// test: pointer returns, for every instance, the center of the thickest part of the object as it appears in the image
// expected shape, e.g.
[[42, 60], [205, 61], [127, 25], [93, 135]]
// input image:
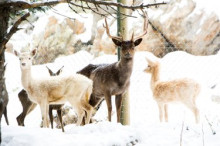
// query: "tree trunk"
[[4, 17], [123, 31]]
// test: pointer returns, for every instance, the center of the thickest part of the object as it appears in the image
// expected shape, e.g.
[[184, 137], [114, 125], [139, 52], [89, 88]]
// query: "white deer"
[[75, 89], [180, 90]]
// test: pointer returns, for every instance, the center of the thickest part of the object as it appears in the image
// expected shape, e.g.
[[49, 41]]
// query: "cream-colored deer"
[[75, 89], [180, 90]]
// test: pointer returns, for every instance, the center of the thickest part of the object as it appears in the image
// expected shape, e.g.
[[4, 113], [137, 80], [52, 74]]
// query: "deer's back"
[[109, 78], [86, 71], [176, 90]]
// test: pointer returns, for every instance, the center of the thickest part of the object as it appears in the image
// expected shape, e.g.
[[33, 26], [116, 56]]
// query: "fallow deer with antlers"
[[114, 79]]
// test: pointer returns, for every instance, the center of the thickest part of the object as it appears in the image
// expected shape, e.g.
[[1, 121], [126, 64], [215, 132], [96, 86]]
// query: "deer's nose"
[[23, 64], [127, 55]]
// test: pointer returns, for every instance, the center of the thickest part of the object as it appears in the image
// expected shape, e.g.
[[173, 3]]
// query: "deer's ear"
[[33, 52], [149, 61], [138, 41], [16, 53], [59, 71], [50, 72], [116, 42]]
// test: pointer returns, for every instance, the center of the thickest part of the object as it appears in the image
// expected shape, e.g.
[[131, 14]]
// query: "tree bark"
[[123, 31], [4, 17]]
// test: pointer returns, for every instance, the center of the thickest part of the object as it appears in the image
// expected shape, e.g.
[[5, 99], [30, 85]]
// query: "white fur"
[[75, 89], [181, 90]]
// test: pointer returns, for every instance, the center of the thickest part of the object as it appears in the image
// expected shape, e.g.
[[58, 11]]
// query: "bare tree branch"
[[14, 29], [210, 125], [203, 140], [19, 5], [55, 11], [181, 133]]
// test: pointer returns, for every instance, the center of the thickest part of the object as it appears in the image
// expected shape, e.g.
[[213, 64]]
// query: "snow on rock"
[[185, 23]]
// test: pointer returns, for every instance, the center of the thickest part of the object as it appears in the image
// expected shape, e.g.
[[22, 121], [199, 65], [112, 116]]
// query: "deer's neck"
[[155, 76], [126, 65], [26, 78]]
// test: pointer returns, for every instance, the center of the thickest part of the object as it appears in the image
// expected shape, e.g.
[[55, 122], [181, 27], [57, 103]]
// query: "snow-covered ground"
[[145, 128]]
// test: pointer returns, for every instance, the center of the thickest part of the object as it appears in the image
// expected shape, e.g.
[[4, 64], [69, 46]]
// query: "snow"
[[145, 128]]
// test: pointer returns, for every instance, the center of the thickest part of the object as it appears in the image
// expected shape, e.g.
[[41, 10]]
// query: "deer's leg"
[[80, 113], [84, 120], [89, 109], [31, 108], [166, 112], [59, 113], [43, 110], [118, 102], [6, 117], [27, 108], [161, 107], [109, 105], [192, 106], [44, 113], [26, 104], [51, 115]]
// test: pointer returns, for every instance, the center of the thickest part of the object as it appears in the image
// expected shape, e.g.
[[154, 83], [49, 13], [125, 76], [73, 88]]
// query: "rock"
[[58, 39], [185, 25]]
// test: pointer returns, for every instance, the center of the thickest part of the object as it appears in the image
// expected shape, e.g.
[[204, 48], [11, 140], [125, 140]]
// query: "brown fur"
[[86, 71], [113, 79], [180, 90]]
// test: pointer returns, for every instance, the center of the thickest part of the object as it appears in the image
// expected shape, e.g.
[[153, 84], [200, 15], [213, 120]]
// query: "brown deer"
[[29, 106], [4, 98], [86, 71], [114, 79]]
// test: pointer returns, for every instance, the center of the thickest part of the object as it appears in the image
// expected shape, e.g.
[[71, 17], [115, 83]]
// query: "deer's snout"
[[127, 55], [23, 64]]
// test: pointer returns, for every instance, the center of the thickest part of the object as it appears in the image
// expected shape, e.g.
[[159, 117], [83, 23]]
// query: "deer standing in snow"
[[75, 89], [180, 90], [114, 79], [29, 106]]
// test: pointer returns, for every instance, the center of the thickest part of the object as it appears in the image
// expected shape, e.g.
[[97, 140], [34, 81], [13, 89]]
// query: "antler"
[[61, 68], [47, 68], [109, 35], [145, 27]]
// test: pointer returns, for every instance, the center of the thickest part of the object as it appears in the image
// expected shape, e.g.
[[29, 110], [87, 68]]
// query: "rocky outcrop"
[[179, 25], [188, 27], [58, 39]]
